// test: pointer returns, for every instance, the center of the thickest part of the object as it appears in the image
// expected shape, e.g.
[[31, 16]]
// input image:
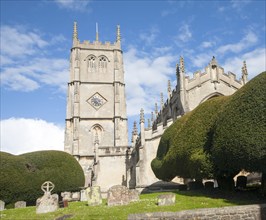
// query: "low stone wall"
[[245, 212]]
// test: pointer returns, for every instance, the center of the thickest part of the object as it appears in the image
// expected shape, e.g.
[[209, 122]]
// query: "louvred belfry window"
[[91, 64], [102, 64]]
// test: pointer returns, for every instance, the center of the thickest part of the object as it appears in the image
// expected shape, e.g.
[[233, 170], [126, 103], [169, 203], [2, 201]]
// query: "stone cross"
[[47, 187]]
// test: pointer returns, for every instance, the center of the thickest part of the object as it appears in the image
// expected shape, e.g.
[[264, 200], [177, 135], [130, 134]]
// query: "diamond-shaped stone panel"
[[97, 100]]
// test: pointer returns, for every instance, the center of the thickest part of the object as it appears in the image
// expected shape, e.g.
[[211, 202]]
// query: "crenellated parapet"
[[96, 45], [190, 92]]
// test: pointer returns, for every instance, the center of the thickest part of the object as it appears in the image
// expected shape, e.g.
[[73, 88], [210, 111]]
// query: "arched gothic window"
[[102, 64], [91, 64]]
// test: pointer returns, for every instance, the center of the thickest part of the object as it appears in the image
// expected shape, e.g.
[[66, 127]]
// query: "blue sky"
[[36, 38]]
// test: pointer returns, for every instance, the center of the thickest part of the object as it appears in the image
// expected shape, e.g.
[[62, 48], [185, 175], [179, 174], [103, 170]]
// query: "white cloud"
[[201, 60], [150, 36], [75, 5], [249, 40], [238, 5], [31, 75], [21, 135], [256, 63], [185, 33], [16, 42], [207, 44], [25, 65], [145, 78]]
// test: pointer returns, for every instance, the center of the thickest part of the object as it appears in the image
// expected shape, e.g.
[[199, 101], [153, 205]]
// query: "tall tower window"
[[91, 64], [102, 64]]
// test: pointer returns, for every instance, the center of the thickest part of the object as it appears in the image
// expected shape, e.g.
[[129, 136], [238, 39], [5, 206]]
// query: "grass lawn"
[[184, 200]]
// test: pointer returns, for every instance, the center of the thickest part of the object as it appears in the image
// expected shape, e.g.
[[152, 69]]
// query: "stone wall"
[[246, 212]]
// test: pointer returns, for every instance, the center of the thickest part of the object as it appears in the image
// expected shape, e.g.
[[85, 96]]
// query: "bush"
[[183, 146], [217, 139], [239, 133], [23, 175]]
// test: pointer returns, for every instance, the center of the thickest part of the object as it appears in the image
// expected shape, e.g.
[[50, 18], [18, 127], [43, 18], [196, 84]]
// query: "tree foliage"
[[219, 138], [23, 175]]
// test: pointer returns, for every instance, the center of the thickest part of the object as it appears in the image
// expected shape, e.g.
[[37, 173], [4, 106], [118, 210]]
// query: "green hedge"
[[219, 138], [182, 149], [23, 175], [240, 131]]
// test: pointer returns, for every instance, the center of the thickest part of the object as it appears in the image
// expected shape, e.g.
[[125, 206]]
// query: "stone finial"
[[244, 72], [169, 90], [162, 102], [156, 109], [244, 68], [118, 36], [213, 62], [142, 115], [97, 33], [75, 32], [152, 117], [182, 65], [135, 129], [134, 132]]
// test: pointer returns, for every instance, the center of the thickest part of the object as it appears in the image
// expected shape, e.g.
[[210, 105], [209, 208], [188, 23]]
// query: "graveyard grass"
[[185, 200]]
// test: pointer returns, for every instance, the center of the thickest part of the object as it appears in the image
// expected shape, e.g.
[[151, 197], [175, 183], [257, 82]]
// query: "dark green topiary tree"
[[220, 137], [240, 131], [23, 175], [182, 149]]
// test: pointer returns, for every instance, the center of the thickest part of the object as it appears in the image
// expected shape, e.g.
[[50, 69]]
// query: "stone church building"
[[96, 132]]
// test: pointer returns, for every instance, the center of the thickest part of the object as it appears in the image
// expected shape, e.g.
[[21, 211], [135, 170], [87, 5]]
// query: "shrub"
[[23, 175], [219, 138]]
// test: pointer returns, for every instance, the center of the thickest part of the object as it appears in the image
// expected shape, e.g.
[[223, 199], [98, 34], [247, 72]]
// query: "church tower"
[[96, 122]]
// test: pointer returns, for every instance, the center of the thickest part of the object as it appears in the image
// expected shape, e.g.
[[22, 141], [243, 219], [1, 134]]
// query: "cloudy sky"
[[36, 38]]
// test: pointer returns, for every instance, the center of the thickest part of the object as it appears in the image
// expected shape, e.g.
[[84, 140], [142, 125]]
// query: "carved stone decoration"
[[48, 202], [96, 101]]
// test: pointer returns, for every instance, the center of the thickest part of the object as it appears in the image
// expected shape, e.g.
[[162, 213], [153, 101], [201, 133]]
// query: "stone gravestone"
[[94, 195], [66, 196], [133, 195], [20, 204], [48, 202], [83, 195], [166, 199], [2, 205], [118, 195], [75, 196]]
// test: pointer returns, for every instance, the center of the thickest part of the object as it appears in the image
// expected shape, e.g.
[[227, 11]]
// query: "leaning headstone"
[[75, 196], [2, 205], [20, 204], [133, 195], [94, 195], [66, 196], [83, 195], [118, 195], [48, 202], [166, 199]]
